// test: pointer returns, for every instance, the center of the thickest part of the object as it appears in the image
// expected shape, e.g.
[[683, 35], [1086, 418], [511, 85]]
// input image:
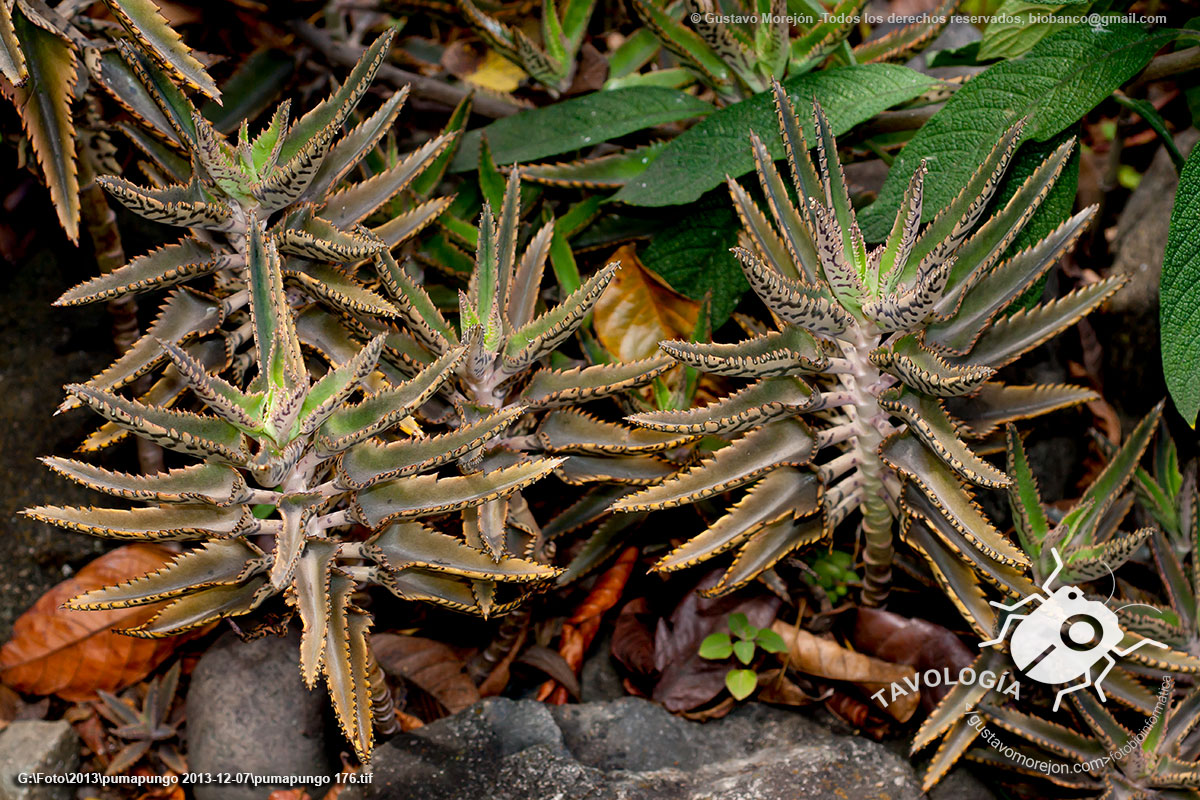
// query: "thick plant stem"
[[383, 710], [868, 419]]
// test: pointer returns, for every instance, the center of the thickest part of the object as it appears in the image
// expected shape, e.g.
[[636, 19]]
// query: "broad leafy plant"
[[299, 449], [879, 370], [738, 60]]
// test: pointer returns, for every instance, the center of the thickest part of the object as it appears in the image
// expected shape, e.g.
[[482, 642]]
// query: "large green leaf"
[[580, 122], [692, 255], [1054, 84], [1179, 314], [1012, 32], [703, 156]]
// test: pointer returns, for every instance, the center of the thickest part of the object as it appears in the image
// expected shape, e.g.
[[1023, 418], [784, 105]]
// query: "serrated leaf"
[[166, 266], [702, 157], [143, 20], [44, 103]]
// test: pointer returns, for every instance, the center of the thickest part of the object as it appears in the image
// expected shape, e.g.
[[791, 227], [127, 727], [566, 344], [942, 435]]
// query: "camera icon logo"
[[1064, 637]]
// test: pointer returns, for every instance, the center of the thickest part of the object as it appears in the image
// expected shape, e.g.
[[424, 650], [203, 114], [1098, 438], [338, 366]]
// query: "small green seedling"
[[718, 646], [832, 572]]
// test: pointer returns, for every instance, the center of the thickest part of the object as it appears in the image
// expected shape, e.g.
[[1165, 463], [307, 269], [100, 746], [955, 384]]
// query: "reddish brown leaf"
[[72, 654], [825, 658], [639, 309], [915, 642], [688, 681], [429, 664], [776, 687], [633, 638], [579, 631]]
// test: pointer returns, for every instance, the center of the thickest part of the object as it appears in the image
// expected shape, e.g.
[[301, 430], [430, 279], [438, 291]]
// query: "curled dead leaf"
[[429, 664], [72, 654], [638, 310], [825, 658]]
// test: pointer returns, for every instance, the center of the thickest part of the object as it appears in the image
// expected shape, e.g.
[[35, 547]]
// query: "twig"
[[430, 88], [1166, 65]]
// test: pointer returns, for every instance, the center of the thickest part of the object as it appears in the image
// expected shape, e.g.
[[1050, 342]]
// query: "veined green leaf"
[[1055, 83], [577, 123], [704, 155], [1180, 290]]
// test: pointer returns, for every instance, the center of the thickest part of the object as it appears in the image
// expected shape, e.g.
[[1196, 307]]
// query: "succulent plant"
[[505, 370], [145, 724], [1161, 764], [298, 449], [41, 50], [880, 369], [1088, 544], [292, 172], [1171, 497], [739, 59], [552, 64]]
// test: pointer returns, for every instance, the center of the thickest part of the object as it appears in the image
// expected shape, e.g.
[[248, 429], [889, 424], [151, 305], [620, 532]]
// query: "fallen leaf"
[[553, 665], [688, 681], [487, 70], [825, 658], [72, 654], [579, 631], [638, 310], [915, 642], [429, 664], [633, 638], [777, 688]]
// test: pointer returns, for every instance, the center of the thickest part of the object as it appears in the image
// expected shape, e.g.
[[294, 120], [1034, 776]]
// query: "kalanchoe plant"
[[41, 50], [1088, 544], [880, 370], [146, 724], [739, 60], [1161, 765], [298, 447], [1171, 497], [505, 371], [551, 64], [293, 174]]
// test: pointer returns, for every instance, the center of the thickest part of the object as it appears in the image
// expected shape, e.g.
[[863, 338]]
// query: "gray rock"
[[37, 747], [599, 679], [630, 749], [249, 712]]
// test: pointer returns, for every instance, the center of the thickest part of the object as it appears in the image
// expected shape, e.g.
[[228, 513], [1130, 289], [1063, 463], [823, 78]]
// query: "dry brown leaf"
[[916, 642], [826, 658], [638, 310], [72, 654], [429, 664], [774, 686]]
